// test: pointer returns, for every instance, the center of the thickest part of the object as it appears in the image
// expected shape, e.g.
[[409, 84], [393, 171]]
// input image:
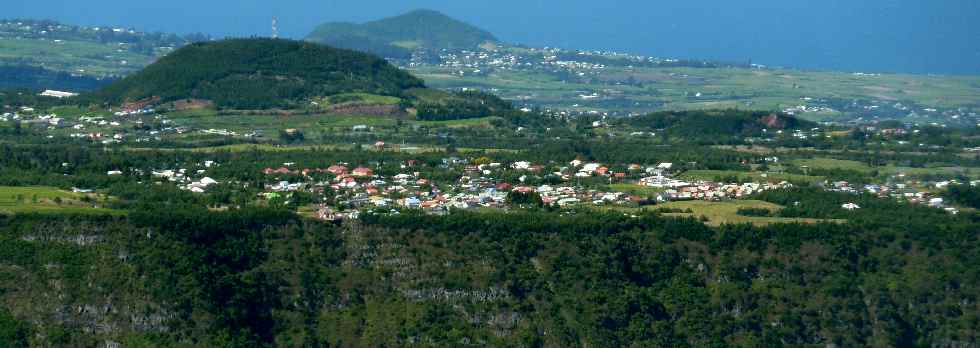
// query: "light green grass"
[[407, 44], [969, 172], [15, 200], [635, 189], [719, 213], [709, 175], [830, 163], [721, 88], [360, 98], [247, 148], [469, 122]]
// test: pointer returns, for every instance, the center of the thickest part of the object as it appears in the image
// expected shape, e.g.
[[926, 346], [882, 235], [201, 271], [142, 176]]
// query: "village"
[[344, 190]]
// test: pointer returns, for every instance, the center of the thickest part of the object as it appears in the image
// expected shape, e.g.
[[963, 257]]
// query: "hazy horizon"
[[903, 36]]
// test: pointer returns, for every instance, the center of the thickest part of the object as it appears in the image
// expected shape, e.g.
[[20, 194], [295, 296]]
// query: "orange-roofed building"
[[337, 170], [361, 171]]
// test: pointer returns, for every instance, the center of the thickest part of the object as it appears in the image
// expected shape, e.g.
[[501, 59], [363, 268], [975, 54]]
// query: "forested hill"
[[258, 74], [395, 37], [717, 123]]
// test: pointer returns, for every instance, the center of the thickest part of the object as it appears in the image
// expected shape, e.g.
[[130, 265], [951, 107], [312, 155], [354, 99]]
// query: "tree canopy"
[[258, 74]]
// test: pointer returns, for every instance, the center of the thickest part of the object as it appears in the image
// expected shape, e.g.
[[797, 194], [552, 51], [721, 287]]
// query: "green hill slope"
[[718, 123], [395, 37], [259, 74]]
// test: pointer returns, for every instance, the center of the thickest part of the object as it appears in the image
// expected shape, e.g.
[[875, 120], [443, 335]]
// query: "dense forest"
[[965, 195], [258, 74], [463, 105], [265, 277], [723, 123]]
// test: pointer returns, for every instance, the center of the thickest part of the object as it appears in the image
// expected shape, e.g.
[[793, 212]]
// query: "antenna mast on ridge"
[[275, 28]]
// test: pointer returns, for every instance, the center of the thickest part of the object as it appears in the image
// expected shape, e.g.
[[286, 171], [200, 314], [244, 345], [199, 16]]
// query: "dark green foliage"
[[15, 98], [965, 195], [291, 136], [351, 36], [597, 278], [40, 78], [13, 333], [716, 124], [430, 29], [463, 105], [258, 74], [260, 277], [760, 212], [209, 263], [524, 199]]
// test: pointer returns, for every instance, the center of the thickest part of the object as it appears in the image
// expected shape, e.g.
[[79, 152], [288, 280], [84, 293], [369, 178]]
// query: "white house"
[[57, 94]]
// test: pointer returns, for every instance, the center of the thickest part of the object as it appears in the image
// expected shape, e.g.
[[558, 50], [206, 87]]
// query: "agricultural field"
[[968, 172], [48, 199], [719, 213], [79, 57], [712, 175], [635, 189], [830, 163], [649, 89]]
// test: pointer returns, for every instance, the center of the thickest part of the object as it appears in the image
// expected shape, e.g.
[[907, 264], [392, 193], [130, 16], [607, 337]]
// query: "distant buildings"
[[57, 94]]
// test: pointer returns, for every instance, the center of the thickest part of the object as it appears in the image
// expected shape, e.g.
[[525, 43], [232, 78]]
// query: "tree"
[[524, 199], [13, 332], [291, 136]]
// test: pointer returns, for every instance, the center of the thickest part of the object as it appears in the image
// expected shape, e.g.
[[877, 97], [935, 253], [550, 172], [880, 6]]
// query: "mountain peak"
[[396, 37]]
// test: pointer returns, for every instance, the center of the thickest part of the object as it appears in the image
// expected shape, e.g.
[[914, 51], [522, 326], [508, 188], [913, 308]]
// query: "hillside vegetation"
[[257, 278], [259, 74], [716, 123], [396, 37], [25, 76]]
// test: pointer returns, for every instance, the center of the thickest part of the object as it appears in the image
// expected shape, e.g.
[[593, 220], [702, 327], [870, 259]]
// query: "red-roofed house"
[[361, 171], [523, 189], [337, 170], [281, 170]]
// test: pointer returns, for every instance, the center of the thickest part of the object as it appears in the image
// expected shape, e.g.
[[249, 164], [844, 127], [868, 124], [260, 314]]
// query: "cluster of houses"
[[476, 187], [105, 129], [550, 59], [680, 190], [805, 109], [183, 178], [899, 191]]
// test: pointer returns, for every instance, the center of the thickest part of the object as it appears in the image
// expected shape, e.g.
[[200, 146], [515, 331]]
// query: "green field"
[[676, 88], [973, 173], [830, 163], [88, 58], [719, 213], [48, 199], [709, 175], [635, 189]]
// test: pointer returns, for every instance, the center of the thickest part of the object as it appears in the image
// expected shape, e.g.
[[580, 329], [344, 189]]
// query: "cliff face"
[[74, 283]]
